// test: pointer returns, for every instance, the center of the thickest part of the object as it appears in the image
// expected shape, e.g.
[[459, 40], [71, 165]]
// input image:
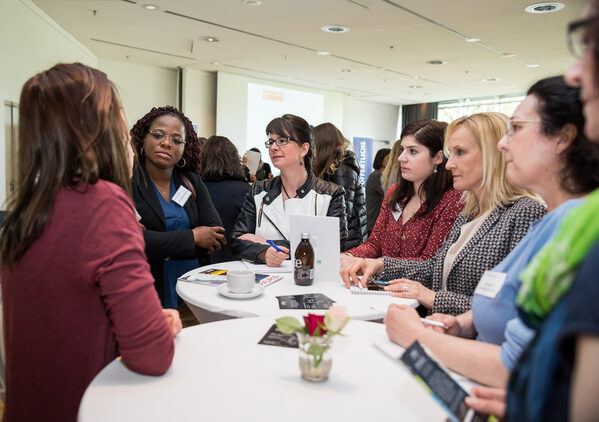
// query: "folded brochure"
[[216, 277]]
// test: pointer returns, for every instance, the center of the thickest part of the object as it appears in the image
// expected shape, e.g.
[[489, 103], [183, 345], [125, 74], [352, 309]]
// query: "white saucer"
[[224, 290]]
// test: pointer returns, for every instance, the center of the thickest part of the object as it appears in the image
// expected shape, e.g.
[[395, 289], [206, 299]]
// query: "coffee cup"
[[240, 281]]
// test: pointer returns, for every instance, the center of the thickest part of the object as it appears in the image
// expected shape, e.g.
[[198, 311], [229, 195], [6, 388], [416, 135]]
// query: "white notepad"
[[363, 291]]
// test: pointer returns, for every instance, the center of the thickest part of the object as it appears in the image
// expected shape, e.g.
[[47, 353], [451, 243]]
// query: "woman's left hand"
[[251, 237], [403, 324], [409, 289]]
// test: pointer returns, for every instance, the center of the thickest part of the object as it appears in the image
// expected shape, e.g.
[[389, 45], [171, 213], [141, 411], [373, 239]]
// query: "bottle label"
[[304, 273]]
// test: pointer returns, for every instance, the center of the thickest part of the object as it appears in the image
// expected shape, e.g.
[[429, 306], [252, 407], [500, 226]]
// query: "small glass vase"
[[315, 360]]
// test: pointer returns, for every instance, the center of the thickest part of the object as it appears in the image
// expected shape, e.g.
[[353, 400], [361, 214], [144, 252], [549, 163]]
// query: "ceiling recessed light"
[[344, 70], [508, 55], [470, 39], [489, 80], [150, 7], [335, 29], [210, 39], [545, 7], [215, 63], [252, 2], [415, 86], [416, 77], [532, 65], [435, 62], [323, 53]]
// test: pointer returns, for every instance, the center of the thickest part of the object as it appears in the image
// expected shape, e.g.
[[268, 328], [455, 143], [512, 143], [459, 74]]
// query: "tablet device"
[[441, 385]]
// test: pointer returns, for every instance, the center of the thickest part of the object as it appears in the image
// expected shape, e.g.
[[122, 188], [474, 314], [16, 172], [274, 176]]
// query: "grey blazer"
[[496, 237]]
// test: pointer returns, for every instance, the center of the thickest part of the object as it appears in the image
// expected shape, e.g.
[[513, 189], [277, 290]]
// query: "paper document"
[[253, 161], [285, 267]]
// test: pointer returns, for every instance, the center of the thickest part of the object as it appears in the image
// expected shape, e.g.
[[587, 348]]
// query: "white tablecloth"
[[220, 373], [366, 307]]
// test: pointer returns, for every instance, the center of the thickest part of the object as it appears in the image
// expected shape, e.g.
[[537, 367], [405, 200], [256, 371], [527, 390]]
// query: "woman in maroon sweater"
[[76, 288]]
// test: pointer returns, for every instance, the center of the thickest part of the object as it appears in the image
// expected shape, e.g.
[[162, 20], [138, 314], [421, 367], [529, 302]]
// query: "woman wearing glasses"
[[181, 225], [265, 211], [556, 377]]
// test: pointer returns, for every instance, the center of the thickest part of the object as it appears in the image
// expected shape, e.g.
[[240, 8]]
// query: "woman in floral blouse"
[[418, 211]]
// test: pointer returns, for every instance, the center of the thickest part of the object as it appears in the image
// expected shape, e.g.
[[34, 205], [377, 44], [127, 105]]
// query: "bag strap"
[[188, 185]]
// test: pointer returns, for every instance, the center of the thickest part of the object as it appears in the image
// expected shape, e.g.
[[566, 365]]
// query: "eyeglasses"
[[280, 142], [577, 36], [513, 128], [159, 135]]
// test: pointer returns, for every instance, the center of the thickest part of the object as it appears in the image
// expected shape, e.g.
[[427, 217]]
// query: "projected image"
[[264, 103]]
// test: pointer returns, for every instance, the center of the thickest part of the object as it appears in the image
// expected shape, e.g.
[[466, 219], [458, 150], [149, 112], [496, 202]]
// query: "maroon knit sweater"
[[80, 296]]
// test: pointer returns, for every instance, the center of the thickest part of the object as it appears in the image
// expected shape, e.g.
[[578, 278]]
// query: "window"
[[451, 110]]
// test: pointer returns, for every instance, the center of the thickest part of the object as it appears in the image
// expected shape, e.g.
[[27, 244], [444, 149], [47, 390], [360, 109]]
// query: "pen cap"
[[305, 236]]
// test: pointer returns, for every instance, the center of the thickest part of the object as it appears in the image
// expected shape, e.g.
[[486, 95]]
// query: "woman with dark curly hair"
[[181, 225]]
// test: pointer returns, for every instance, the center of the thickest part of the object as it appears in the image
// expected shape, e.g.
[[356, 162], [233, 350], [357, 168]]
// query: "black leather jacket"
[[247, 221], [347, 175]]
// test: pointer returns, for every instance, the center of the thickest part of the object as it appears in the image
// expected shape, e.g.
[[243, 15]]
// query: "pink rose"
[[336, 318], [314, 322]]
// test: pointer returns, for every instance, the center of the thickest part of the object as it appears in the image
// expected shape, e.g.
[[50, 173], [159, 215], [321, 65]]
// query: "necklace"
[[162, 191], [285, 190]]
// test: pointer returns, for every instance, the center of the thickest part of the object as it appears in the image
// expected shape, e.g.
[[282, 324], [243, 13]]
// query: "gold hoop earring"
[[182, 165]]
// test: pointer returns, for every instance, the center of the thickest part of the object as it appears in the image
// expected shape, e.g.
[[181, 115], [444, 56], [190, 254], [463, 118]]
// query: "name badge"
[[181, 196], [490, 283]]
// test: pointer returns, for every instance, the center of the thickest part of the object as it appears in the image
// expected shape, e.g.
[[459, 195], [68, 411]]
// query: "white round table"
[[208, 305], [220, 373]]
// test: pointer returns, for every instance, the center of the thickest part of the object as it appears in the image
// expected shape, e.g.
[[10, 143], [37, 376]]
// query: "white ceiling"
[[386, 49]]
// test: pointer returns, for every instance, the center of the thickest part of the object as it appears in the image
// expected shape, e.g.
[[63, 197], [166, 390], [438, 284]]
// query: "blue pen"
[[271, 243]]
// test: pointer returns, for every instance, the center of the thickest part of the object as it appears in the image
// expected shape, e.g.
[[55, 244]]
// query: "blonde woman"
[[495, 217], [392, 169]]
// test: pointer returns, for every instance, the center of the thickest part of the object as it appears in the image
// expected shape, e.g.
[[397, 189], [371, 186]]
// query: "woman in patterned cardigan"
[[496, 216]]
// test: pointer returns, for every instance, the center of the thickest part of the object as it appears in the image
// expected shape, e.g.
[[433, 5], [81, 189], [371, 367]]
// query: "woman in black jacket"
[[181, 226], [222, 172], [266, 209], [334, 163]]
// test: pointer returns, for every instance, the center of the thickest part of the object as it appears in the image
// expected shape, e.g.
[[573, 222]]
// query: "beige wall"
[[199, 100], [141, 87]]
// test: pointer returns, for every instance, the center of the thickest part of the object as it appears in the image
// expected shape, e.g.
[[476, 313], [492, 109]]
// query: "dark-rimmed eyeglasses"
[[159, 135], [279, 142], [577, 36]]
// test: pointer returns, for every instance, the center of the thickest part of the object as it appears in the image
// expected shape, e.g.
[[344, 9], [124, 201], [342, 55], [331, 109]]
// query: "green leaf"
[[288, 325], [315, 350]]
